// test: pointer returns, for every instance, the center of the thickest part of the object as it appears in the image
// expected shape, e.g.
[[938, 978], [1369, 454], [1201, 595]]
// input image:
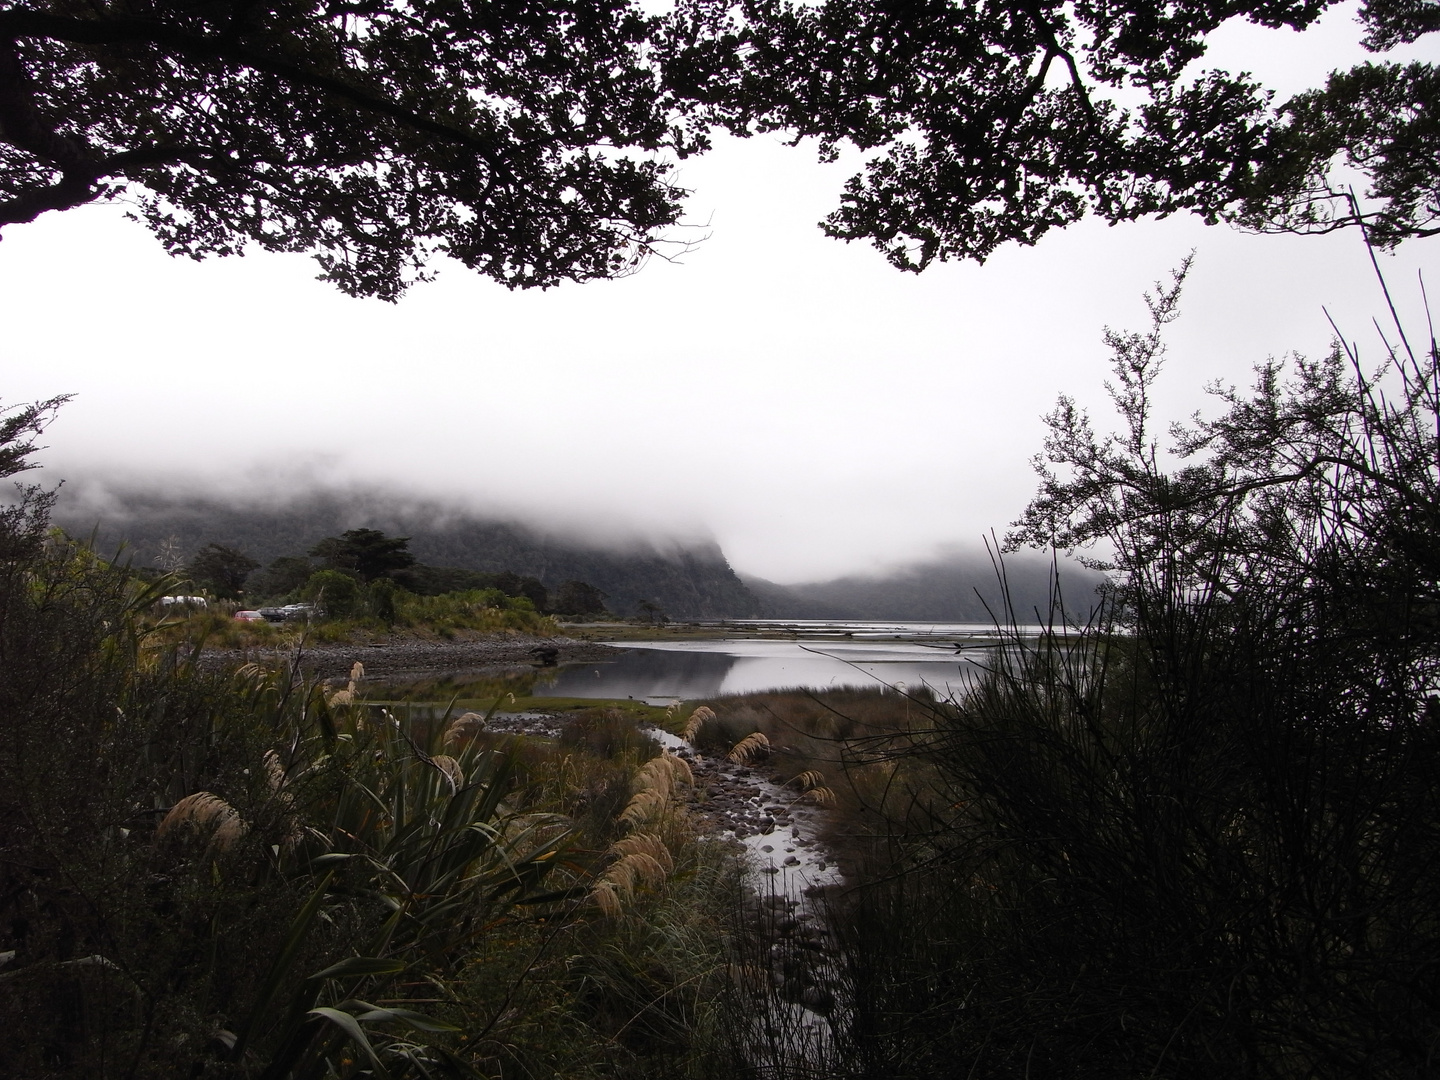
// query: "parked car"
[[288, 613], [249, 616]]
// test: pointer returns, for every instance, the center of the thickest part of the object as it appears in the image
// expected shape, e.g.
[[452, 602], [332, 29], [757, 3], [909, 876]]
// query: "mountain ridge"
[[684, 579], [952, 587]]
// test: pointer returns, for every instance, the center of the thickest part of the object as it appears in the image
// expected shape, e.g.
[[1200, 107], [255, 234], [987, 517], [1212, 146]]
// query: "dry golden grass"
[[643, 806], [811, 783], [203, 812], [645, 844], [463, 727], [274, 771], [810, 778], [451, 768], [641, 859], [698, 719], [351, 693], [749, 748]]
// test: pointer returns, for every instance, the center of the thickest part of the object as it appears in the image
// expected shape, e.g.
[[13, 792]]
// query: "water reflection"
[[660, 672]]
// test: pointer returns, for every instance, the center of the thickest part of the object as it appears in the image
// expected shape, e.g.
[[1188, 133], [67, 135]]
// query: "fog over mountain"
[[957, 586], [684, 577]]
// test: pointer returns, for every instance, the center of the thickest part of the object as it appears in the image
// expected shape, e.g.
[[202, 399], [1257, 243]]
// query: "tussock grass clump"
[[349, 694], [655, 785], [608, 733], [205, 814], [251, 875], [697, 720], [464, 728], [639, 859], [748, 749]]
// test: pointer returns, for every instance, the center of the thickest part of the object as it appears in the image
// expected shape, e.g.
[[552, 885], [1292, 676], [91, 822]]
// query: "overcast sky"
[[812, 409]]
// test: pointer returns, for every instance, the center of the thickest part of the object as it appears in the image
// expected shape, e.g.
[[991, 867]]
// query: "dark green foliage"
[[380, 599], [438, 580], [1194, 853], [337, 593], [344, 856], [374, 139], [993, 122], [368, 553], [24, 521], [527, 142], [578, 598], [220, 570], [284, 576], [1377, 117], [516, 586], [19, 427]]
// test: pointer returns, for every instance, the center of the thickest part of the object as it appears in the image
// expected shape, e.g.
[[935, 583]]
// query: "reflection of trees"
[[644, 673]]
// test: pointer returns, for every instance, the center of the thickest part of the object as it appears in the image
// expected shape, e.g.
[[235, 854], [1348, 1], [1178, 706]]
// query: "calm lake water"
[[821, 655]]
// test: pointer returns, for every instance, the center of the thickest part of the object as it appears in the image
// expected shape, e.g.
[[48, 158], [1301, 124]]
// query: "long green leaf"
[[282, 964], [348, 1024], [357, 966], [409, 1017]]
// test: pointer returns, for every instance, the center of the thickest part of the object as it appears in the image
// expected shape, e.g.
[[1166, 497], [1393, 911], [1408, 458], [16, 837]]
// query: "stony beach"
[[417, 656]]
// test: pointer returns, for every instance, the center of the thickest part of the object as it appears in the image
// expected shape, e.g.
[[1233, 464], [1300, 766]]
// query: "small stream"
[[786, 870]]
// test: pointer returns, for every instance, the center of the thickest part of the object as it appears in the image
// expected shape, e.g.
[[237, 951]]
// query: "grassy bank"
[[451, 617]]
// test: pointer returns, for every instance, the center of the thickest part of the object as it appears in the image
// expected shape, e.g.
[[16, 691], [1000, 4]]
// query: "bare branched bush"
[[1199, 836]]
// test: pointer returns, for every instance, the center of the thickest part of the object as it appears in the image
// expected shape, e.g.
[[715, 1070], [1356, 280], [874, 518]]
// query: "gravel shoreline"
[[415, 656]]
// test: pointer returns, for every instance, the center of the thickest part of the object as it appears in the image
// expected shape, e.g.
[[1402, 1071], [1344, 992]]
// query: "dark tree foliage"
[[437, 580], [368, 553], [1201, 836], [284, 575], [516, 137], [529, 140], [19, 426], [221, 570], [516, 585], [994, 121], [24, 520], [578, 598]]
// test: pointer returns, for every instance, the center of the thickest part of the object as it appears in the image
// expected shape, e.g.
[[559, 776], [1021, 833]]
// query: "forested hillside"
[[684, 579]]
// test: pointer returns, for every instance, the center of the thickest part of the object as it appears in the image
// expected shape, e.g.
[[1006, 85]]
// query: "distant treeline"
[[369, 556]]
